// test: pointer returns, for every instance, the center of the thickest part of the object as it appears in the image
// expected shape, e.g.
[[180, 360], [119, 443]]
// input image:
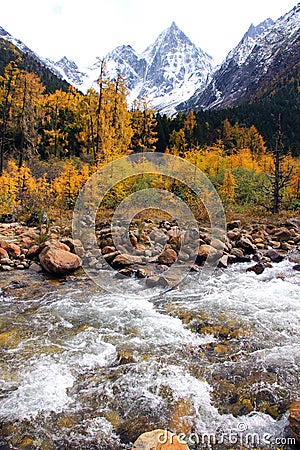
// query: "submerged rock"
[[257, 268], [159, 440]]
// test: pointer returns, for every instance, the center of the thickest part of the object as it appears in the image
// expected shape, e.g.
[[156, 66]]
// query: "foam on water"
[[92, 331]]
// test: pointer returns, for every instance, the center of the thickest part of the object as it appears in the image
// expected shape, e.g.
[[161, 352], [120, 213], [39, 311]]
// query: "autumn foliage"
[[50, 144]]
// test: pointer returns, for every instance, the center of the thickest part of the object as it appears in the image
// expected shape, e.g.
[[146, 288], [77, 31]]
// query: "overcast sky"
[[84, 29]]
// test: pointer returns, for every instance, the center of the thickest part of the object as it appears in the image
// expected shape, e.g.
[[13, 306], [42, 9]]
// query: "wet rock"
[[294, 420], [257, 268], [125, 357], [274, 256], [239, 255], [125, 260], [159, 440], [109, 257], [129, 430], [168, 257], [58, 262], [182, 417], [156, 281]]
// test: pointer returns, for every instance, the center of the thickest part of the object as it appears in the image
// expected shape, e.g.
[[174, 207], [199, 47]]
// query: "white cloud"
[[84, 30]]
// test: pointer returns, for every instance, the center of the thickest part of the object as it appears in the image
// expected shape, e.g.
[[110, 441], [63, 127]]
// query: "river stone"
[[282, 235], [54, 243], [274, 256], [168, 257], [207, 252], [57, 261], [3, 254], [246, 244], [33, 252], [159, 440], [13, 249], [294, 420], [108, 249], [156, 280], [257, 268], [125, 260]]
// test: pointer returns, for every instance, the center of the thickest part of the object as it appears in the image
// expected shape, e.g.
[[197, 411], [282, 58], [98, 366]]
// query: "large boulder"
[[168, 257], [57, 261], [159, 440]]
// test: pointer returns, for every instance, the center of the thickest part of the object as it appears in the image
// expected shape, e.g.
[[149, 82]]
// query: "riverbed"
[[82, 369]]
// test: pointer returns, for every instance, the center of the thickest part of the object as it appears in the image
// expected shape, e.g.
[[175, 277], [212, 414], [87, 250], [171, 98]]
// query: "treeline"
[[281, 97], [96, 127]]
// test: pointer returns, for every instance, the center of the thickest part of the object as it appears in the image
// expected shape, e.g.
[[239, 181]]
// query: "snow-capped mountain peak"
[[263, 53], [167, 72]]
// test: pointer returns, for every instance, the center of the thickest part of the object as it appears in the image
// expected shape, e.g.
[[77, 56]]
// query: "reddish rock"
[[108, 249], [125, 260], [3, 244], [159, 440], [3, 253], [33, 252], [54, 243], [58, 261], [168, 257], [14, 250]]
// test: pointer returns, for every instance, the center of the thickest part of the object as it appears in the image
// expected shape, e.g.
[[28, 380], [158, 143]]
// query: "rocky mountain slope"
[[263, 53]]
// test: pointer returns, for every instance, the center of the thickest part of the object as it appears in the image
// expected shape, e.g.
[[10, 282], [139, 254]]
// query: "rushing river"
[[81, 369]]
